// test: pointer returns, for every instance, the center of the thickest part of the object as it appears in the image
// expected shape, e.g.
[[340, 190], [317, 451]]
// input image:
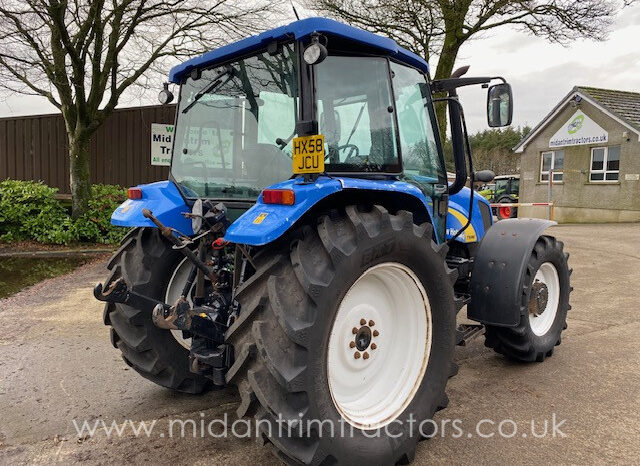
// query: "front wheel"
[[345, 339], [546, 294]]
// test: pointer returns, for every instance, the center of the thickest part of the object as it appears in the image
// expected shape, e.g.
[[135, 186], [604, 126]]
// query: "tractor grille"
[[485, 211]]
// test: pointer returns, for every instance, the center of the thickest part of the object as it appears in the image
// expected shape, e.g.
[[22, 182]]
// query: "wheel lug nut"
[[357, 355], [365, 355], [363, 321], [376, 333], [352, 344], [373, 346], [354, 330], [371, 323]]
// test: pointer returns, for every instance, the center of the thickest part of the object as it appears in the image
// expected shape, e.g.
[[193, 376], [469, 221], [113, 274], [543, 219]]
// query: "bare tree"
[[82, 55], [441, 27]]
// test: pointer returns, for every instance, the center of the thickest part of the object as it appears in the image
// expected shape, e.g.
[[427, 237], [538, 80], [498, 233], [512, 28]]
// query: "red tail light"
[[134, 193], [279, 196]]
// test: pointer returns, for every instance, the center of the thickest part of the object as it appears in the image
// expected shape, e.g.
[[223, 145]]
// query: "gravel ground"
[[57, 365]]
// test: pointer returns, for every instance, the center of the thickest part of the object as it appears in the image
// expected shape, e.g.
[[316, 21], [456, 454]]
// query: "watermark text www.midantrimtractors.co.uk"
[[223, 427]]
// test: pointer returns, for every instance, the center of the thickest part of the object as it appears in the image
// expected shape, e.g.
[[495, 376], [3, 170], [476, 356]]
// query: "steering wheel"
[[353, 153]]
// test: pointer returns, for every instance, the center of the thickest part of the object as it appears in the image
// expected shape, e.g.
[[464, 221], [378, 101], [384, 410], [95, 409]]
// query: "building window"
[[605, 164], [552, 160]]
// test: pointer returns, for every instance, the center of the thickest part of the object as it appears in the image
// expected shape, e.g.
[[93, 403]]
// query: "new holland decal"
[[469, 234]]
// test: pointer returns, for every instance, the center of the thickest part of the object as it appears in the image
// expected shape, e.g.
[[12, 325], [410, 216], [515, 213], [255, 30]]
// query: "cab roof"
[[299, 30]]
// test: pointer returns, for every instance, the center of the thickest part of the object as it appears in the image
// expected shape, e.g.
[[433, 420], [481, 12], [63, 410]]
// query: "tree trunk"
[[80, 180], [446, 61]]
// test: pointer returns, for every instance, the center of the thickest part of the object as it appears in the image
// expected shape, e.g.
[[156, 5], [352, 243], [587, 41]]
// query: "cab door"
[[420, 145]]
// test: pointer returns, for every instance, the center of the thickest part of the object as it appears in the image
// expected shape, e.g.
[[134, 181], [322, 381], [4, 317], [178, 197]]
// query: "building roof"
[[623, 103], [299, 30], [622, 106]]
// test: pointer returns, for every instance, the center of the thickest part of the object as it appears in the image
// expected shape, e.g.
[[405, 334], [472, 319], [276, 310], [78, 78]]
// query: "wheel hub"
[[544, 299], [363, 338], [539, 298]]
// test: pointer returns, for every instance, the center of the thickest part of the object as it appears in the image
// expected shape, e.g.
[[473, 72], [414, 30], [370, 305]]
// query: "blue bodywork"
[[299, 30], [264, 223], [163, 199], [459, 212]]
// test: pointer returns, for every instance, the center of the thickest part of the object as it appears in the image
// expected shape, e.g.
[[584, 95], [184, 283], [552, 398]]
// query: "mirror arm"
[[450, 84]]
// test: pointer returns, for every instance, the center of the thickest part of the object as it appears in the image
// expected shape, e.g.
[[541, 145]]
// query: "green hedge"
[[30, 211]]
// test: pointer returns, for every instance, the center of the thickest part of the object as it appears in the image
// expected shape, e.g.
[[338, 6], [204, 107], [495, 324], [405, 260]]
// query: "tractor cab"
[[242, 114], [313, 100]]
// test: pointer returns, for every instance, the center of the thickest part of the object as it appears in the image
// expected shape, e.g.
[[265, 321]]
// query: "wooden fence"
[[35, 148]]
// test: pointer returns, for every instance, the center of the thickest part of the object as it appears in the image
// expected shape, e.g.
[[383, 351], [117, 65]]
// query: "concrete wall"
[[577, 199]]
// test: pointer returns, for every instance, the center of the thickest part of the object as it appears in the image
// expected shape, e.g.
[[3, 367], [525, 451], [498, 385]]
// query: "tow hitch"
[[209, 355], [117, 292], [199, 321]]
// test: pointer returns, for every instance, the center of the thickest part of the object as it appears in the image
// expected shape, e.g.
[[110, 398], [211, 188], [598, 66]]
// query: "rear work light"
[[134, 193], [279, 196]]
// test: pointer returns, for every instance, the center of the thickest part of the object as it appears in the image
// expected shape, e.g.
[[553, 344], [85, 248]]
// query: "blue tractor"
[[309, 249]]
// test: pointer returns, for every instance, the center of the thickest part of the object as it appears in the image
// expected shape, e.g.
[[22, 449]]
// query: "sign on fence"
[[161, 141]]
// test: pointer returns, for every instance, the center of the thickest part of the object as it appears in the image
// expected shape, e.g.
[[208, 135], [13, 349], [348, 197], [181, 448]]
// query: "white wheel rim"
[[541, 323], [372, 391], [174, 291]]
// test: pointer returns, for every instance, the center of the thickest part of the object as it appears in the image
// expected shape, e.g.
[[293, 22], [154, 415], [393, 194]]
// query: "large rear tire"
[[295, 344], [147, 263], [545, 298]]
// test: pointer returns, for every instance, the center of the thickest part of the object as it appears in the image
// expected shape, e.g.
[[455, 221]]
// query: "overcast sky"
[[540, 73]]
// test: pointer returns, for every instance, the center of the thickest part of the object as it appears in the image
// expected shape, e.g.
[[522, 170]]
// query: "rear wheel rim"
[[174, 291], [379, 346], [540, 324]]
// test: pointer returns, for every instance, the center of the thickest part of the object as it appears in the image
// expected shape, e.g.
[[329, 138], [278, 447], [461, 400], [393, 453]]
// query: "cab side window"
[[417, 137]]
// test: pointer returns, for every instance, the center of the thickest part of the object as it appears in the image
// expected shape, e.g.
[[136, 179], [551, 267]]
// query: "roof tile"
[[624, 104]]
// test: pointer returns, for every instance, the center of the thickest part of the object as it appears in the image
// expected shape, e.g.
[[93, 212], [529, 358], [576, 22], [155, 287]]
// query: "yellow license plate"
[[308, 154]]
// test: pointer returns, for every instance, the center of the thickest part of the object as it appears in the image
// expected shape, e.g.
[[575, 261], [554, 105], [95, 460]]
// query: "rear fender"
[[161, 198], [499, 269], [264, 223]]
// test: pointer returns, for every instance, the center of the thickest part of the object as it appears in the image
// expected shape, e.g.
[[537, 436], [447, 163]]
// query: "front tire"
[[545, 298], [295, 325], [147, 262]]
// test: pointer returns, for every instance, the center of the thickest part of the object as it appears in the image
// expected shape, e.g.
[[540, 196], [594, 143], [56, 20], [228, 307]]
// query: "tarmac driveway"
[[57, 365]]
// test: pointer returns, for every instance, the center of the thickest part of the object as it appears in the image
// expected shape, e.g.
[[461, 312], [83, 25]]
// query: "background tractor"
[[505, 191], [309, 250]]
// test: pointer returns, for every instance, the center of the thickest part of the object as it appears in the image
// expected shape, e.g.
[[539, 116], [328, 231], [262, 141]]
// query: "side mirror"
[[499, 105], [484, 176]]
